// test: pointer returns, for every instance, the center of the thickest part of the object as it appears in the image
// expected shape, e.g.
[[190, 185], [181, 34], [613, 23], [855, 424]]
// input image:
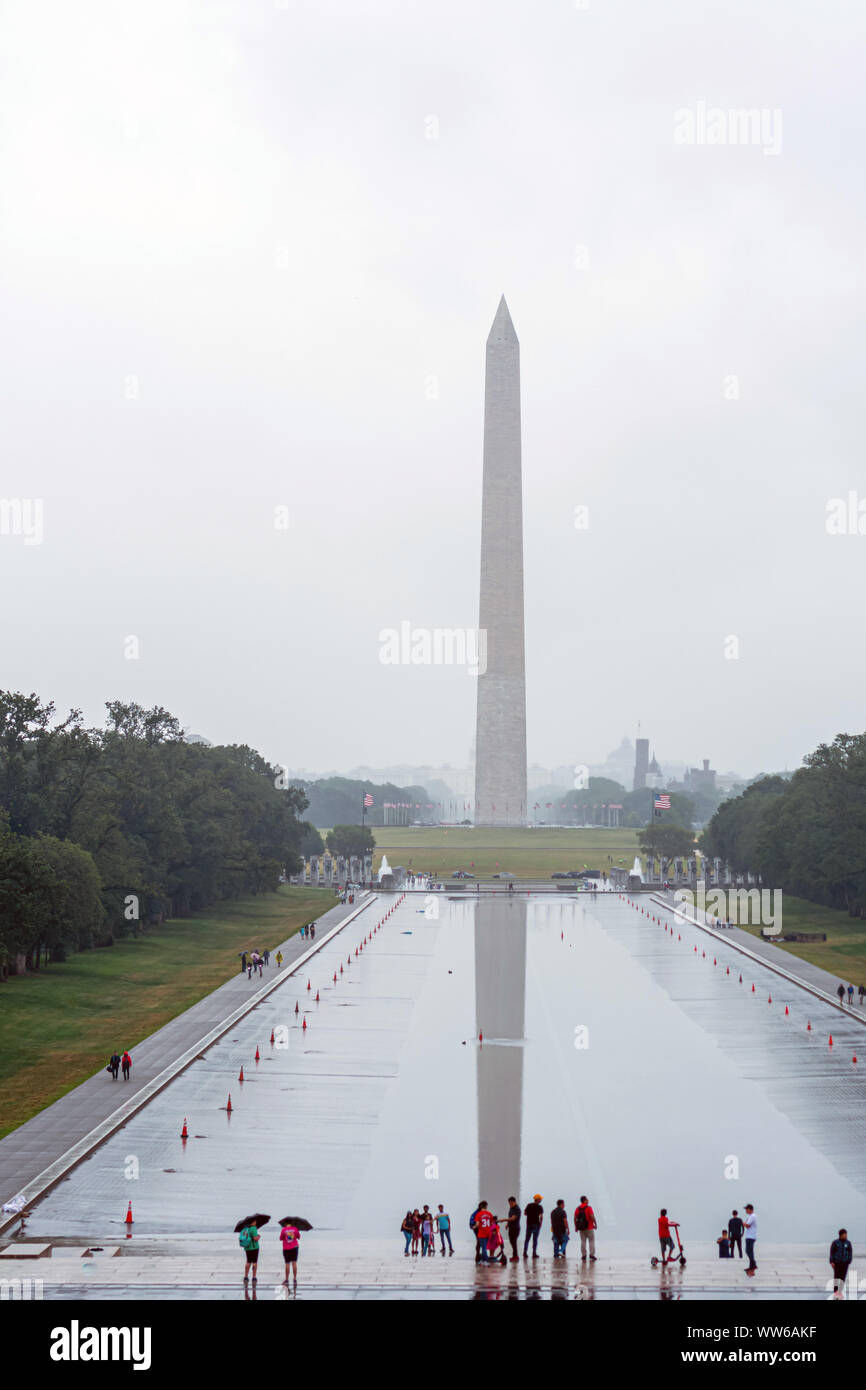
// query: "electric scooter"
[[671, 1259]]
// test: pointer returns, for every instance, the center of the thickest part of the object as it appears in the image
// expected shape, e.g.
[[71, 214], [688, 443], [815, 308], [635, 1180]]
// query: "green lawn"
[[844, 951], [528, 854], [61, 1024]]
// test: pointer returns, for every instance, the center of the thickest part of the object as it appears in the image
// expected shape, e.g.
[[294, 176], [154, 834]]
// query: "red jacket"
[[591, 1224]]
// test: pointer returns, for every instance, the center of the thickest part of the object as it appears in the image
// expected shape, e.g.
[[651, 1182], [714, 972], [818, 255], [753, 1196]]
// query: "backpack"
[[581, 1221], [247, 1239]]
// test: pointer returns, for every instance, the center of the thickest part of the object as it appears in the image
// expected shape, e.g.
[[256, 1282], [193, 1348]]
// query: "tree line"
[[805, 834], [105, 830]]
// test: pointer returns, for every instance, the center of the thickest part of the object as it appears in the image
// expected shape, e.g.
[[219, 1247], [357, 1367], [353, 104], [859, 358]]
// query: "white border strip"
[[49, 1177]]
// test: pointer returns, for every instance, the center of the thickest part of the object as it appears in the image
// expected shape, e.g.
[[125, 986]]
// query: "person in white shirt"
[[751, 1232]]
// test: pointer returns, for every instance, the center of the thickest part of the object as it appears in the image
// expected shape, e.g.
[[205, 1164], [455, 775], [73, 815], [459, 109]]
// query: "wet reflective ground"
[[685, 1090]]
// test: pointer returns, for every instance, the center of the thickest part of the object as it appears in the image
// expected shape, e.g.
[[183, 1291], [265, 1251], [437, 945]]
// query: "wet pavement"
[[616, 1060]]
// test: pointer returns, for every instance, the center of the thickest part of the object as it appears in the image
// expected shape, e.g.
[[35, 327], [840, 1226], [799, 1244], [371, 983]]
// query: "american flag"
[[368, 800], [661, 801]]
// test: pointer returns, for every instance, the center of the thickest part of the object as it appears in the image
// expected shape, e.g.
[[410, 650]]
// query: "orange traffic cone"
[[229, 1106], [304, 1026], [241, 1076], [184, 1134], [128, 1218], [317, 996], [272, 1037], [257, 1052]]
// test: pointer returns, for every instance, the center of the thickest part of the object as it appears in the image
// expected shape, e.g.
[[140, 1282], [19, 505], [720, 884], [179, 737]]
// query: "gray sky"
[[250, 257]]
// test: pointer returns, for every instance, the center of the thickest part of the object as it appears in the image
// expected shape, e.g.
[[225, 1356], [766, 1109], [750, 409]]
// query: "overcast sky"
[[250, 256]]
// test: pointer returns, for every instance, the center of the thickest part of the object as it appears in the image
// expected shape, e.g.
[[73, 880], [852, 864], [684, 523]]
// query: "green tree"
[[350, 839]]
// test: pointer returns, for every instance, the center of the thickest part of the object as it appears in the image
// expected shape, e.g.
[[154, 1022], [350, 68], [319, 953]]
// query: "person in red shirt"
[[586, 1224], [666, 1240], [483, 1229]]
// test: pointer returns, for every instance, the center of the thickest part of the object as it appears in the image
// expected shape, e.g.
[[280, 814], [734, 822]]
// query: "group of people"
[[117, 1063], [255, 960], [420, 1229], [732, 1237], [849, 990], [249, 1240], [308, 931]]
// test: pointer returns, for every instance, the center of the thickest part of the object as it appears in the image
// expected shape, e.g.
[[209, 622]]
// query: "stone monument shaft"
[[500, 736]]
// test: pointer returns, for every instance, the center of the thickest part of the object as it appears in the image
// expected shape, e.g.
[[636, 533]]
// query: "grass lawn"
[[844, 951], [58, 1026], [528, 854]]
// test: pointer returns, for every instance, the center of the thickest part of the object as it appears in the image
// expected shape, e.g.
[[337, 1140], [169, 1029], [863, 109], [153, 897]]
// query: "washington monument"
[[500, 734]]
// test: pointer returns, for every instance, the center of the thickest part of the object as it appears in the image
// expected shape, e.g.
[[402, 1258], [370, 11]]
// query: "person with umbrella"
[[290, 1241], [248, 1238]]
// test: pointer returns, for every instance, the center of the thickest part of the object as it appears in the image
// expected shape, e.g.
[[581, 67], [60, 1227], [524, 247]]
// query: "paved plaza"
[[621, 1056]]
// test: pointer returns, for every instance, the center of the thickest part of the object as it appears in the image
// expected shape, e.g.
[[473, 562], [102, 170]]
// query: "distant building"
[[654, 777], [641, 763], [701, 779]]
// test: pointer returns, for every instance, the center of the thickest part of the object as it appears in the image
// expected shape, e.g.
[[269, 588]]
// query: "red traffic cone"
[[272, 1037], [309, 986], [854, 1059], [304, 1026], [241, 1075], [727, 970], [317, 996], [753, 989], [831, 1039], [786, 1008], [808, 1027], [257, 1052], [335, 977], [127, 1220], [297, 1010], [715, 962], [229, 1106], [741, 979], [341, 971], [769, 998], [480, 1037], [184, 1133]]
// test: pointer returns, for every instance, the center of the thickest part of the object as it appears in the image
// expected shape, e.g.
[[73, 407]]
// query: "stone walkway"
[[32, 1148], [208, 1266]]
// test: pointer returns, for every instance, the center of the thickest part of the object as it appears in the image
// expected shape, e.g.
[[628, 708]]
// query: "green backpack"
[[248, 1238]]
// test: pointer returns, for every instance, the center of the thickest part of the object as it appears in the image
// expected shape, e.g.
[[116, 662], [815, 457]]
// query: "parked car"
[[461, 873], [560, 875], [504, 874]]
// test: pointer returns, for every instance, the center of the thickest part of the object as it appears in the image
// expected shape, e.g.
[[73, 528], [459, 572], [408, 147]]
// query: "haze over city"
[[250, 262]]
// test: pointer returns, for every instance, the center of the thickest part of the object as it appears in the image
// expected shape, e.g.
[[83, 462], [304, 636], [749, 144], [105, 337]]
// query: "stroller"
[[671, 1259], [496, 1246]]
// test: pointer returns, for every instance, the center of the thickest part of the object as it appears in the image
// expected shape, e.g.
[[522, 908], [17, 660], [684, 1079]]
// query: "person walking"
[[534, 1213], [850, 995], [250, 968], [861, 991], [841, 1255], [126, 1065], [559, 1228], [666, 1240], [735, 1234], [427, 1232], [279, 960], [114, 1065], [750, 1227], [841, 993], [513, 1220], [443, 1222], [243, 961], [483, 1230], [407, 1226], [290, 1238], [267, 957], [249, 1239], [312, 931], [416, 1230], [586, 1224]]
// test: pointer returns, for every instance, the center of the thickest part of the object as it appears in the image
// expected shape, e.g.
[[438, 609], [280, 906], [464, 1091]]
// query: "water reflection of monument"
[[500, 994]]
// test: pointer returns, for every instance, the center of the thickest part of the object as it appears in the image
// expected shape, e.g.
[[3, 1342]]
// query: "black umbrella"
[[257, 1220], [300, 1221]]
